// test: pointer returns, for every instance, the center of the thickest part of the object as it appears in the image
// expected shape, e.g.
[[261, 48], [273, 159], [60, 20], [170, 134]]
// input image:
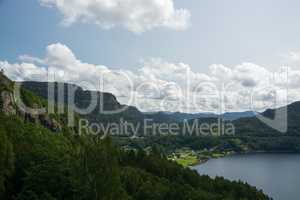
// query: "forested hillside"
[[38, 162]]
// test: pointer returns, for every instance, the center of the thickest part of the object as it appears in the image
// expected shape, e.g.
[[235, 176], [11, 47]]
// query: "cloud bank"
[[134, 15], [161, 85]]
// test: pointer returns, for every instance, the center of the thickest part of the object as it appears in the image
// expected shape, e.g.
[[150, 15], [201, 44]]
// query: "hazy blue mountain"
[[179, 117]]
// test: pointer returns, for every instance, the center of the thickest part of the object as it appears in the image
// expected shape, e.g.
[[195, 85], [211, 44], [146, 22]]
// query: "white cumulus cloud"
[[134, 15], [161, 85]]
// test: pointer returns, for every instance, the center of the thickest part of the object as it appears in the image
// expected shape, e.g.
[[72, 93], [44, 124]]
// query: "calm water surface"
[[278, 175]]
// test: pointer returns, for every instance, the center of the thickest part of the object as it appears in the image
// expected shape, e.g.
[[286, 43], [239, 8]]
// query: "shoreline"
[[201, 162]]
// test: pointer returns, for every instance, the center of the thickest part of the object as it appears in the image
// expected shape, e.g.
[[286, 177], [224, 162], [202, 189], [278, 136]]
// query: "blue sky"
[[226, 32], [218, 41]]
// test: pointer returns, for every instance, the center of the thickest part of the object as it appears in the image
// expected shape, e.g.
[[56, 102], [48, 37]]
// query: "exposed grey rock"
[[7, 103], [52, 124], [8, 107]]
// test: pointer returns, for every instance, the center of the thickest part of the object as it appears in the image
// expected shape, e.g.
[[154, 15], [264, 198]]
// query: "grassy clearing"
[[187, 160]]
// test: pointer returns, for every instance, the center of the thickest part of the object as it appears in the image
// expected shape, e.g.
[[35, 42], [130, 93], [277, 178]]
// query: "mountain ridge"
[[245, 122], [110, 102]]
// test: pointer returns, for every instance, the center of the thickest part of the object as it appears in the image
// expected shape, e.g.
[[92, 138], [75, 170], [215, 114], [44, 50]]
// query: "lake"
[[278, 175]]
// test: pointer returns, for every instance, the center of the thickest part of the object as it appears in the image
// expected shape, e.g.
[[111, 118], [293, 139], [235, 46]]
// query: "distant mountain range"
[[109, 102], [179, 117], [254, 126], [245, 122]]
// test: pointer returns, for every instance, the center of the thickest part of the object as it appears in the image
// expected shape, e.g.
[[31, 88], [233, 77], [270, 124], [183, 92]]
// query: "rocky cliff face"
[[7, 103], [38, 90], [8, 107], [4, 81]]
